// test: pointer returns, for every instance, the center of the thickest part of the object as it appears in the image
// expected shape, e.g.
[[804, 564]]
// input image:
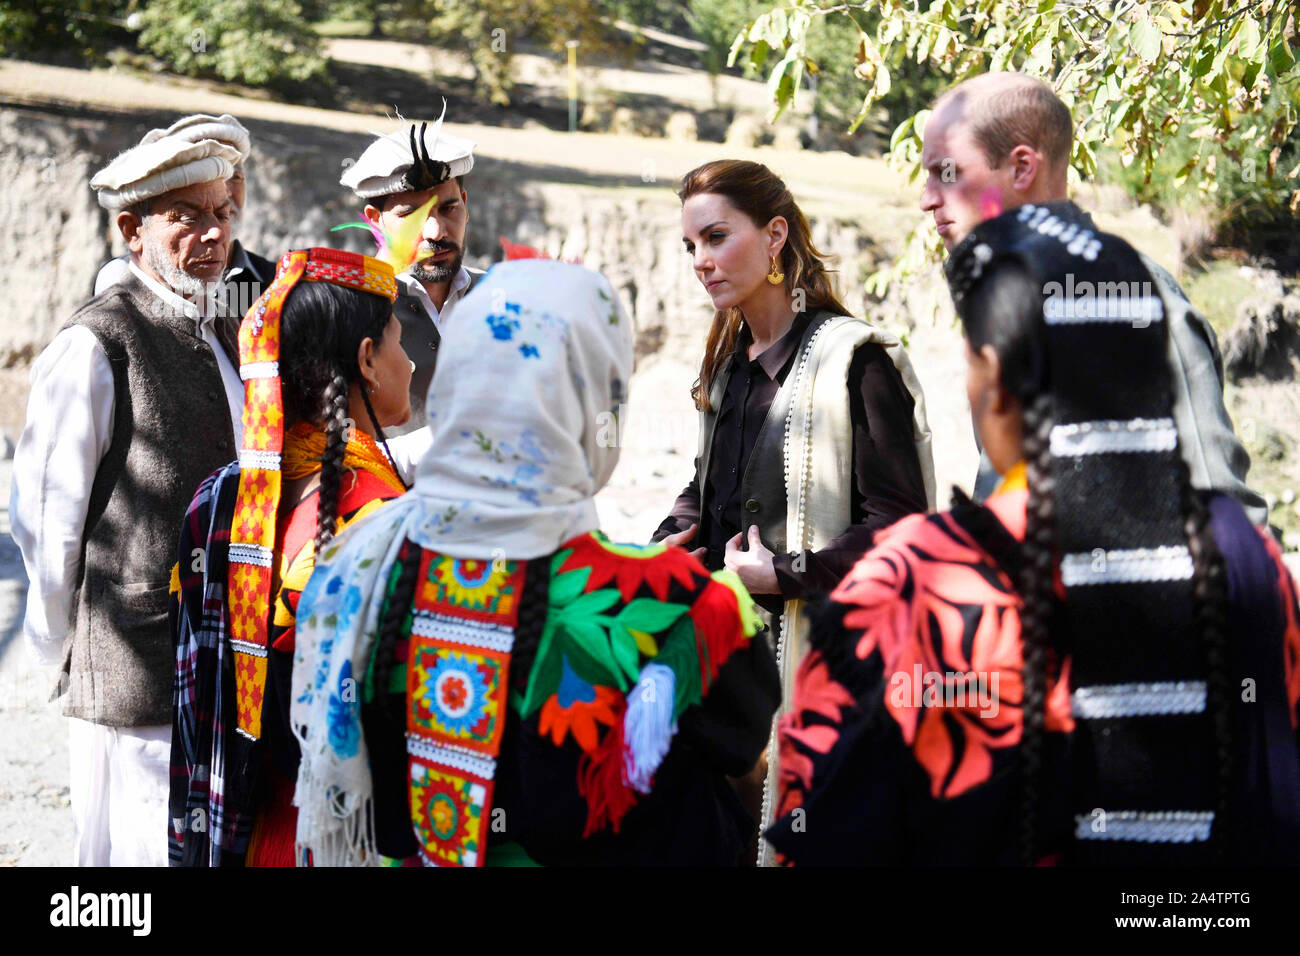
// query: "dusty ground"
[[35, 822]]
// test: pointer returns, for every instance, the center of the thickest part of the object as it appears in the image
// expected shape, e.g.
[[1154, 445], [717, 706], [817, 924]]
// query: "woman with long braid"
[[1099, 666], [325, 373]]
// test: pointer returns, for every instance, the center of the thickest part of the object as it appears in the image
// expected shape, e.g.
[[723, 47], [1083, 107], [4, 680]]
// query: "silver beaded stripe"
[[1059, 310], [245, 647], [259, 370], [1141, 826], [454, 757], [1102, 437], [1138, 700], [259, 458], [492, 636], [1170, 563], [245, 553]]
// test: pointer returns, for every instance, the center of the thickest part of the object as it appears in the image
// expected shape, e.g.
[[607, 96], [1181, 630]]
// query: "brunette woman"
[[813, 433]]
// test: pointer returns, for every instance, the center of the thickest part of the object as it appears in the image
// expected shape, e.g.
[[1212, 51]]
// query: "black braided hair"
[[337, 426], [1003, 311], [395, 620], [1210, 591], [1036, 591], [322, 327]]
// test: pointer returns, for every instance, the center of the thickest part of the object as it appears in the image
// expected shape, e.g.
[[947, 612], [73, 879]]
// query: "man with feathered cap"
[[247, 273], [413, 183], [132, 405]]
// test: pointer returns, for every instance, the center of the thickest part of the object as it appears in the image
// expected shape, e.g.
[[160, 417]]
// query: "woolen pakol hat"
[[413, 158], [199, 126], [151, 169]]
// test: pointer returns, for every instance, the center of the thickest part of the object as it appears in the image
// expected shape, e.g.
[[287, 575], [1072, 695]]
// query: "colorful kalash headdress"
[[252, 533], [1143, 760]]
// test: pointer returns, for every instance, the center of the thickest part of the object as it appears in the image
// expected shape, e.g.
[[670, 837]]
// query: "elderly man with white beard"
[[132, 405]]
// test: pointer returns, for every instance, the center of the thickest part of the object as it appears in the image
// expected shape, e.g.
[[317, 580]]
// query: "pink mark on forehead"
[[990, 204]]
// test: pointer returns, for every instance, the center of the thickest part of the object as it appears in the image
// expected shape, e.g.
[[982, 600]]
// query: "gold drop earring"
[[775, 277]]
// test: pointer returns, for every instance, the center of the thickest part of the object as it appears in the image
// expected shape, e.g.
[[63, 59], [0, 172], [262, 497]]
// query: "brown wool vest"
[[171, 429]]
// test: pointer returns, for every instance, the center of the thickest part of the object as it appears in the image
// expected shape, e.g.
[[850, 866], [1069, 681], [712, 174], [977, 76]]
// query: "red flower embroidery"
[[630, 572], [913, 598]]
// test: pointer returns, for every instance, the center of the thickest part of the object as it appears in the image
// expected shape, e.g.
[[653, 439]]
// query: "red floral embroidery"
[[955, 692], [629, 572]]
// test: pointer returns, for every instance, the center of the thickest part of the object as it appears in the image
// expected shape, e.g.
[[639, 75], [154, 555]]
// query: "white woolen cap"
[[151, 169], [199, 126], [381, 169]]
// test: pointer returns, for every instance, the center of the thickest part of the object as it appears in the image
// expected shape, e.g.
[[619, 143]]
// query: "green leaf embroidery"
[[645, 614]]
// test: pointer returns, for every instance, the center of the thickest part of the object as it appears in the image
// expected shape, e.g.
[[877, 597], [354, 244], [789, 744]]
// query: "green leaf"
[[567, 586], [645, 614], [1281, 58], [588, 650], [1145, 39], [1248, 39], [625, 650], [589, 605]]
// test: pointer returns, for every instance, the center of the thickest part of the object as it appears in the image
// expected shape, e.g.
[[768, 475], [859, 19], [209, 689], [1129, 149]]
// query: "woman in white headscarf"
[[482, 676]]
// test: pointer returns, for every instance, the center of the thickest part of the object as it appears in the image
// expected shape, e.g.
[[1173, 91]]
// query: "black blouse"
[[887, 482]]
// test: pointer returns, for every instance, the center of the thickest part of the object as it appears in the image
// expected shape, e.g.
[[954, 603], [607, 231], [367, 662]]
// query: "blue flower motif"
[[344, 710], [503, 328], [512, 307], [334, 584], [528, 350], [351, 604]]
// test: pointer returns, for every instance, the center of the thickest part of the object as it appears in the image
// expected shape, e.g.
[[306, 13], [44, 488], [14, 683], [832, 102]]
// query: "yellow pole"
[[573, 85]]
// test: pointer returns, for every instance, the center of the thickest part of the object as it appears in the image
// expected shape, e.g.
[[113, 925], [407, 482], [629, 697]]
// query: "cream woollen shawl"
[[524, 413], [818, 477]]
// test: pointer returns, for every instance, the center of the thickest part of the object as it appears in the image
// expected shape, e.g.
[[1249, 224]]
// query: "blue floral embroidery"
[[344, 727], [503, 328]]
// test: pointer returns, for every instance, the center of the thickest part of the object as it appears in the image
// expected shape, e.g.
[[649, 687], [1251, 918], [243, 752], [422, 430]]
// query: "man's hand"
[[753, 566], [681, 537]]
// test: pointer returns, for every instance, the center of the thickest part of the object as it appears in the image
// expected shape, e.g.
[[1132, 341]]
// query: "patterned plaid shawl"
[[205, 765]]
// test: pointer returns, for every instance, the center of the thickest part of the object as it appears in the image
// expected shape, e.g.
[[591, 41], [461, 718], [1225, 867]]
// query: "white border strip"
[[244, 553], [256, 458], [491, 636], [1170, 563], [259, 370], [1138, 700], [462, 760], [1101, 437], [1173, 826]]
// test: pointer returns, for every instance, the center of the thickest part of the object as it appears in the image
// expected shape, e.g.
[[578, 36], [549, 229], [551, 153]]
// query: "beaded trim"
[[242, 552], [256, 650], [1141, 826], [1168, 563], [1101, 437], [453, 757], [259, 370], [1138, 700], [492, 636], [374, 276], [259, 458]]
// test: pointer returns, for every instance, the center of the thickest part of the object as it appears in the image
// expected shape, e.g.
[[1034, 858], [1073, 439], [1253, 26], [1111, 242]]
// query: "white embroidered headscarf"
[[532, 376], [524, 412]]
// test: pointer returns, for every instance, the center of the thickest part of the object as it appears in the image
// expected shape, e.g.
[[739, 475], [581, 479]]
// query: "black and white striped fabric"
[[1142, 751]]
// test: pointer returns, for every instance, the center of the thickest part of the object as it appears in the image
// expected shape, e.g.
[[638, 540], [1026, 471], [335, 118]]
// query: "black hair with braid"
[[322, 327], [1005, 310]]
